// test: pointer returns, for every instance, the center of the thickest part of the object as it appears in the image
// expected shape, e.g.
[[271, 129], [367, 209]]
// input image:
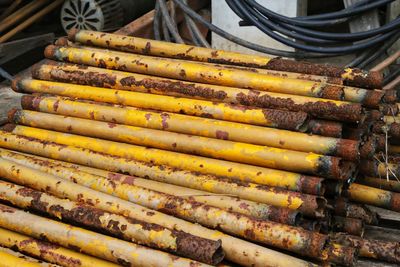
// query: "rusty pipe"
[[208, 147], [370, 248], [99, 245], [374, 196], [310, 205], [66, 170], [393, 129], [254, 254], [139, 232], [381, 183], [9, 259], [351, 76], [63, 41], [344, 208], [198, 72], [227, 169], [48, 251], [347, 149], [222, 111], [270, 233], [349, 225], [98, 77]]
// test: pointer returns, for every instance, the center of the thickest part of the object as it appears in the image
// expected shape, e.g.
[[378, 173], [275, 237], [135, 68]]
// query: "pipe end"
[[49, 51], [30, 102], [72, 33], [11, 114], [62, 41], [8, 127]]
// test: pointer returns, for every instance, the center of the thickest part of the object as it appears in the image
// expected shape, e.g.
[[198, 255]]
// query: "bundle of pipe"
[[142, 140]]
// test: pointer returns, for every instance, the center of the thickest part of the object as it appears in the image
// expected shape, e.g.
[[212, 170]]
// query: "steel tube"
[[274, 234], [392, 129], [265, 117], [254, 254], [316, 107], [226, 169], [374, 196], [99, 245], [194, 126], [345, 208], [63, 41], [48, 251], [11, 260], [26, 258], [139, 232], [167, 141], [250, 208], [381, 183], [369, 248], [138, 45], [308, 204], [195, 72]]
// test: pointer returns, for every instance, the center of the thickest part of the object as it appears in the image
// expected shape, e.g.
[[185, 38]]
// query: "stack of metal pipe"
[[145, 153]]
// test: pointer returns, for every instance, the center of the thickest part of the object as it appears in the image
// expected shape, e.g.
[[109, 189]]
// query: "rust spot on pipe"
[[373, 98], [369, 248], [285, 119], [352, 210], [319, 109], [332, 92], [347, 149], [358, 77], [368, 148], [352, 226], [325, 128], [390, 96]]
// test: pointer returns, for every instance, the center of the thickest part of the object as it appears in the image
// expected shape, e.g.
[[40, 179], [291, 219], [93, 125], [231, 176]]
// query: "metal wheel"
[[100, 15]]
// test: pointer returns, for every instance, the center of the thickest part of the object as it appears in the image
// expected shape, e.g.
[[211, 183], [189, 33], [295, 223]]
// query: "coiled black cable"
[[247, 12]]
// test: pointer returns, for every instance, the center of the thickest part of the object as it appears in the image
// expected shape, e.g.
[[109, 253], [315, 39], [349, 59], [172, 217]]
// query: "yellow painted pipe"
[[184, 70], [48, 251], [164, 49], [63, 41], [202, 108], [381, 183], [374, 196], [208, 147], [98, 77], [236, 250], [194, 126], [226, 169], [308, 204], [274, 234], [10, 260], [25, 257], [67, 170], [136, 231], [99, 245]]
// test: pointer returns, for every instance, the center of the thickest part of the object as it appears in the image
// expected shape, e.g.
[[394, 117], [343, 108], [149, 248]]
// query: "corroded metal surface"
[[143, 156], [69, 171], [233, 151], [308, 204], [137, 45], [49, 252], [86, 75], [265, 117], [63, 188], [347, 209], [109, 248], [197, 126], [152, 235], [369, 248], [374, 196]]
